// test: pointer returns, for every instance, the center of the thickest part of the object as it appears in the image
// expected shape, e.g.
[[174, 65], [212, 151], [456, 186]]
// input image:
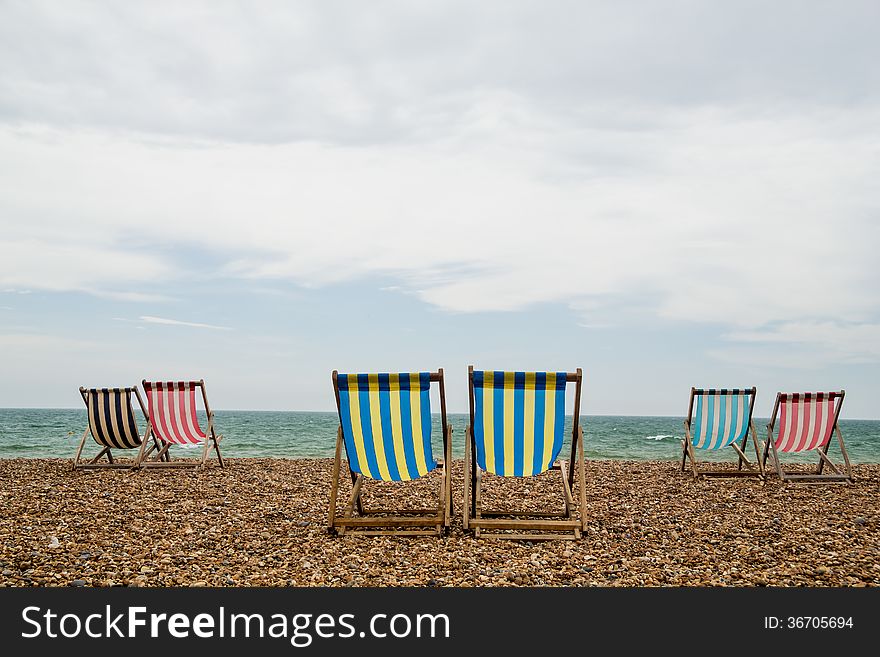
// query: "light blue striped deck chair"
[[385, 432], [516, 430], [717, 419]]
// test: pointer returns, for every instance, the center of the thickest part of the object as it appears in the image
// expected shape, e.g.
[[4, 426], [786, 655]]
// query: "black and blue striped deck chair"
[[516, 430], [113, 426], [385, 431], [719, 418]]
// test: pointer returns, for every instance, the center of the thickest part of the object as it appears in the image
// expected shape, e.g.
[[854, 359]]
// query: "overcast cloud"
[[708, 163]]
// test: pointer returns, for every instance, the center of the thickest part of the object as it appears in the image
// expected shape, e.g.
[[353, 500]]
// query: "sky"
[[664, 194]]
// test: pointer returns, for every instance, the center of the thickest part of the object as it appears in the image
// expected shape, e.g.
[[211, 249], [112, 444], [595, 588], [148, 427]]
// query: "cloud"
[[393, 72], [480, 157], [719, 220], [33, 343], [55, 264], [824, 342], [174, 322]]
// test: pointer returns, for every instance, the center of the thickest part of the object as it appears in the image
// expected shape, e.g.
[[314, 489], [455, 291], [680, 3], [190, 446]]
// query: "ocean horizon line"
[[448, 412], [35, 432]]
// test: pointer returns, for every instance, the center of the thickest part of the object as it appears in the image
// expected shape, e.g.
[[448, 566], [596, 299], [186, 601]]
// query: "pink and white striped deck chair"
[[173, 417], [806, 422]]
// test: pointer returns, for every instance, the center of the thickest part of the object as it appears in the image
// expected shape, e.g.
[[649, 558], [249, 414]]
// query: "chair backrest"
[[517, 419], [386, 422], [720, 417], [806, 420], [111, 418], [172, 407]]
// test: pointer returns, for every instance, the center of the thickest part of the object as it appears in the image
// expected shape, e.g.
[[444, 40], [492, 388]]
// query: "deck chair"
[[516, 430], [806, 422], [113, 425], [174, 421], [385, 430], [717, 419]]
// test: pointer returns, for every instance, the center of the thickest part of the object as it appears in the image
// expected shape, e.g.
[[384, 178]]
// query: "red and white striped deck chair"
[[173, 416], [806, 422]]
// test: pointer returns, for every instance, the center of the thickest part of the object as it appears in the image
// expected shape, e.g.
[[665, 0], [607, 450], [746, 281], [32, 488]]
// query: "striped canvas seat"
[[806, 420], [111, 417], [384, 435], [516, 430], [721, 417], [518, 421], [386, 424], [172, 408], [113, 426], [174, 422]]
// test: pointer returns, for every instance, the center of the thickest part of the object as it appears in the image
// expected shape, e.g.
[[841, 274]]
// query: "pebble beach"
[[262, 522]]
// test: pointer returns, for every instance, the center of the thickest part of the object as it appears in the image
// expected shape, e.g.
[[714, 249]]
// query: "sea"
[[55, 433]]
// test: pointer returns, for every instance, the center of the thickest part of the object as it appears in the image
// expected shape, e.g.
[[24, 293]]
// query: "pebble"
[[648, 525]]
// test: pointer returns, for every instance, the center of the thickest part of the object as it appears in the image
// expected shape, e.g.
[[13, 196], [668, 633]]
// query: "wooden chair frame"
[[163, 457], [688, 450], [95, 463], [554, 525], [358, 520], [843, 476]]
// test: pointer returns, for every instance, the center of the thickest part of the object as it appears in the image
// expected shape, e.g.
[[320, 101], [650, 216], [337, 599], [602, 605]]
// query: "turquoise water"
[[53, 433]]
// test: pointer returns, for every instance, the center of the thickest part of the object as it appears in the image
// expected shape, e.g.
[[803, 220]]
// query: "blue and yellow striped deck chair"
[[719, 418], [112, 424], [385, 430], [516, 430]]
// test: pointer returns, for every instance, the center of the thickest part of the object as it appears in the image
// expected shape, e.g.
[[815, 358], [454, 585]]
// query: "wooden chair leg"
[[684, 447], [204, 453], [448, 474], [582, 482], [757, 452], [142, 452], [831, 464], [360, 504], [567, 499], [466, 505], [689, 451], [441, 504], [767, 449], [79, 450], [162, 454], [741, 457], [97, 458], [355, 495], [478, 513], [217, 440], [353, 501], [846, 463], [334, 485], [777, 463]]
